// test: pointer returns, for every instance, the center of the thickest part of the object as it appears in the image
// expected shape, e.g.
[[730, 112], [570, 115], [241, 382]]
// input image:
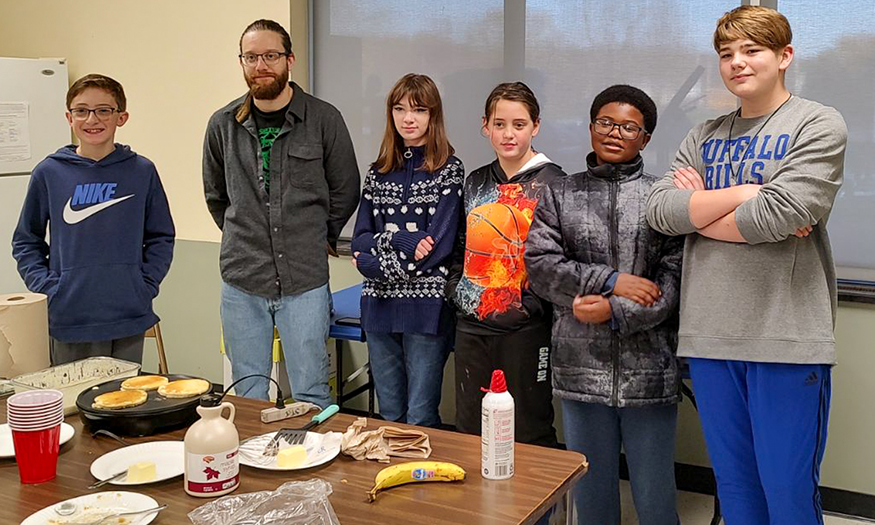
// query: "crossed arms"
[[712, 212], [797, 195]]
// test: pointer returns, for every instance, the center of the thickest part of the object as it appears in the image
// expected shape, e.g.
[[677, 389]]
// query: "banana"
[[414, 472]]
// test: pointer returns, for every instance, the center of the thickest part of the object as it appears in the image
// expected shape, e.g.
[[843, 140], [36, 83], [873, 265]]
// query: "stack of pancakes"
[[134, 391]]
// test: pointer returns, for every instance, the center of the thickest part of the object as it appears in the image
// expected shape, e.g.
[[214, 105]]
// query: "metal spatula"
[[296, 436]]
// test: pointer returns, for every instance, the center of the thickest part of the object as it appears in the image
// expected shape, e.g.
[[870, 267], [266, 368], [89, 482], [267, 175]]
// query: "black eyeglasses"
[[603, 126], [84, 113], [270, 58]]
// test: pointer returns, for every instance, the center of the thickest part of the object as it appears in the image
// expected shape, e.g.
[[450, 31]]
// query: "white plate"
[[321, 448], [8, 451], [168, 456], [95, 506]]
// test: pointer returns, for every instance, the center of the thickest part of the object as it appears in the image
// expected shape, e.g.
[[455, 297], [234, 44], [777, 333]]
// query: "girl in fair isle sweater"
[[404, 233]]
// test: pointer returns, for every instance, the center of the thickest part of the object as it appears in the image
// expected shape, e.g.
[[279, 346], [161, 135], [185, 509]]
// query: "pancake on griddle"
[[120, 399], [146, 383], [184, 388]]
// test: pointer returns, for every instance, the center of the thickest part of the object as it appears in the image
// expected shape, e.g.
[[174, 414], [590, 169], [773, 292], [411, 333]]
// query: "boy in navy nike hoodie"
[[110, 228]]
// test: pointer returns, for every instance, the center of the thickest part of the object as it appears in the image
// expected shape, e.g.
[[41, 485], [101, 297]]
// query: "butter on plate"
[[292, 457], [142, 472]]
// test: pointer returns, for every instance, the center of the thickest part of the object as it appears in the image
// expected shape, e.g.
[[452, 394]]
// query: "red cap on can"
[[498, 384]]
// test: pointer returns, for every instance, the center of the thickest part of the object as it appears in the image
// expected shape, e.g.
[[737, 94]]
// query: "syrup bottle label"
[[209, 473]]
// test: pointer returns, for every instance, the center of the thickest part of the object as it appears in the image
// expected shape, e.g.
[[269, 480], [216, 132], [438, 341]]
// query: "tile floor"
[[697, 509]]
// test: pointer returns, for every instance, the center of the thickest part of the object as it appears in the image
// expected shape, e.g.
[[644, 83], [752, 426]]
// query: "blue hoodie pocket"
[[100, 295], [58, 288]]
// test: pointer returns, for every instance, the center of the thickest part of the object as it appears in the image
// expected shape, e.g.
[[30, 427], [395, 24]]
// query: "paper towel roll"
[[24, 333]]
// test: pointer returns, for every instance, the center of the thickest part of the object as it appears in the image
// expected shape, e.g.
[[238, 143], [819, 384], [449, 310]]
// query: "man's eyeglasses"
[[603, 126], [270, 58], [100, 113]]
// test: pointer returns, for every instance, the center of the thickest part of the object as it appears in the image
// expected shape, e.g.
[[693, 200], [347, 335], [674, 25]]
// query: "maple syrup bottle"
[[212, 464]]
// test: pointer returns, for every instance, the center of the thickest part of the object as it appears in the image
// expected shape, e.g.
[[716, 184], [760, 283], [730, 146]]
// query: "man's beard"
[[268, 91]]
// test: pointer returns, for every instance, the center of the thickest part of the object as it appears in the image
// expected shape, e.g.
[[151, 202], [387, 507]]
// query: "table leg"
[[339, 378], [569, 507], [717, 517], [370, 392]]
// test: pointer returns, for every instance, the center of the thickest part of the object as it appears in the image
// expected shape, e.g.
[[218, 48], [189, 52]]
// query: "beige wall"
[[177, 61], [299, 29], [849, 451]]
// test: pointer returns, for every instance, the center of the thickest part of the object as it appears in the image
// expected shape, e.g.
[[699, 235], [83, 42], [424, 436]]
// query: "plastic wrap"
[[293, 503]]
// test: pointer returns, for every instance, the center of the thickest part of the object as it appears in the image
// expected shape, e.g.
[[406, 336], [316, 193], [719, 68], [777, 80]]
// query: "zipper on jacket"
[[615, 343], [408, 173]]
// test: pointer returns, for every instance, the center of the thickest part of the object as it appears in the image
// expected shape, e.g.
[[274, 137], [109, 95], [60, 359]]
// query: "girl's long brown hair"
[[421, 92]]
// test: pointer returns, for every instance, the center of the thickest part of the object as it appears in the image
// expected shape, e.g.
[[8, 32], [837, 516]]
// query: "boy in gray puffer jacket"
[[615, 285]]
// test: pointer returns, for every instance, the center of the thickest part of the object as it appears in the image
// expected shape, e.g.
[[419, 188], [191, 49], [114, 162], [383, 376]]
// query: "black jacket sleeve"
[[552, 273]]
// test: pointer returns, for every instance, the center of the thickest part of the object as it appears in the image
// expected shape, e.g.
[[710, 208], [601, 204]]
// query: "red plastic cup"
[[36, 413], [33, 413], [36, 425], [34, 398], [35, 408], [36, 420], [36, 453]]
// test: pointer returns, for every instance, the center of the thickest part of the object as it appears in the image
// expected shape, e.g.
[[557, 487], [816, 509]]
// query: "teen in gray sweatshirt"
[[772, 296], [752, 192]]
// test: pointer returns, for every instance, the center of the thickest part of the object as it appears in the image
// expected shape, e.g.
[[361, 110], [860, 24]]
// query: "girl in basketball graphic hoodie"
[[501, 323]]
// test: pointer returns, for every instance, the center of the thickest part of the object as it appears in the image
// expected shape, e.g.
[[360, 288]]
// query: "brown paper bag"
[[383, 442]]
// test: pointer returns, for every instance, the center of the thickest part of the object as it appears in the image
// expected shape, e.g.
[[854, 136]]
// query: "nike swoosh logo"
[[72, 216]]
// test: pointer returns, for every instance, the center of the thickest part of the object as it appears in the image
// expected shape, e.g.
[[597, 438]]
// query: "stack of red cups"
[[35, 418]]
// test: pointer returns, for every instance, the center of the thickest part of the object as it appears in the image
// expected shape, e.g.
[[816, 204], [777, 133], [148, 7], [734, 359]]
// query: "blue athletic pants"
[[765, 426]]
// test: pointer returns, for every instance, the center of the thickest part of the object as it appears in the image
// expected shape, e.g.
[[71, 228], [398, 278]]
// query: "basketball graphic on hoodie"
[[494, 244]]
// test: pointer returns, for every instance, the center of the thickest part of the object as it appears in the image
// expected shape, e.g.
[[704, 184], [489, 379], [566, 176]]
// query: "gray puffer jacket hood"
[[586, 227]]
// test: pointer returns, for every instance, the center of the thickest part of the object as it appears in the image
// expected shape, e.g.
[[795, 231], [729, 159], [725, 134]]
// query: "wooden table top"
[[542, 477]]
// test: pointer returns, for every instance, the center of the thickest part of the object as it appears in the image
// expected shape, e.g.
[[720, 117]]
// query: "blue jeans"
[[408, 371], [647, 435], [765, 425], [302, 320]]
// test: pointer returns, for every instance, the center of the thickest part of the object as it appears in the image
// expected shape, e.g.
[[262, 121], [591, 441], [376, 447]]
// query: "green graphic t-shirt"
[[266, 136], [269, 126]]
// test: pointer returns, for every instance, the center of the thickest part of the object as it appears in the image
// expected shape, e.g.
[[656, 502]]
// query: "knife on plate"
[[103, 482]]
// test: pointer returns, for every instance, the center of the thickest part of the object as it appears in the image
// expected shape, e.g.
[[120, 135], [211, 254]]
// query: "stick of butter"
[[142, 472], [292, 457]]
